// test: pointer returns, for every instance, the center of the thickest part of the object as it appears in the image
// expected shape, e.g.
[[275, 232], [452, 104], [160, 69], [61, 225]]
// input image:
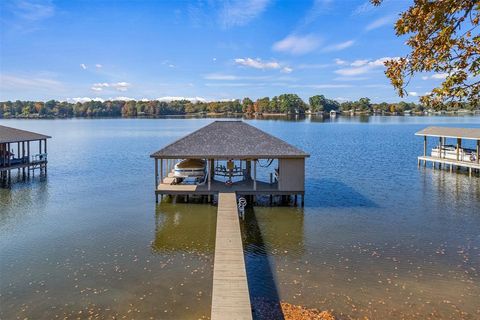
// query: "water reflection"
[[184, 228], [269, 231]]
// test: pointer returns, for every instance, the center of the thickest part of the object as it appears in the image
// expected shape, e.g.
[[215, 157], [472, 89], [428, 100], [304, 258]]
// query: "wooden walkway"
[[230, 297], [469, 165]]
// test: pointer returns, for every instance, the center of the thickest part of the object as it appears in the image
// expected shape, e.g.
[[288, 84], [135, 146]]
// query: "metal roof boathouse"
[[451, 155], [237, 157], [19, 151]]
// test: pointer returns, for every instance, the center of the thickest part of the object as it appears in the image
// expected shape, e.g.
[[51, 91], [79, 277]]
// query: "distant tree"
[[320, 103], [444, 38], [291, 103], [261, 105], [247, 105]]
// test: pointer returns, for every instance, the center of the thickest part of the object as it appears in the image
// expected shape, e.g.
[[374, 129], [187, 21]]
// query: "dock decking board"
[[465, 164], [230, 296]]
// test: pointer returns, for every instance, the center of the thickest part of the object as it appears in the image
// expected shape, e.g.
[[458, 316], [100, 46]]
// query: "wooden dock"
[[230, 296], [449, 162]]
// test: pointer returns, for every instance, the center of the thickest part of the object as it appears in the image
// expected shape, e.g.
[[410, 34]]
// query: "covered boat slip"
[[452, 155], [22, 150], [238, 158]]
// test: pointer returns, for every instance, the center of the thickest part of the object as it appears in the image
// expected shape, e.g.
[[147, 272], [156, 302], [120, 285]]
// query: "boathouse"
[[230, 156], [23, 151], [452, 155]]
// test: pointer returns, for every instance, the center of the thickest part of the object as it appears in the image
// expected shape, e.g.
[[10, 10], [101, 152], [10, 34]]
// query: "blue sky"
[[80, 50]]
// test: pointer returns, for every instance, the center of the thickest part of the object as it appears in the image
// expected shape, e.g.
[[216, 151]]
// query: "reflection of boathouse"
[[452, 155], [230, 156], [19, 150]]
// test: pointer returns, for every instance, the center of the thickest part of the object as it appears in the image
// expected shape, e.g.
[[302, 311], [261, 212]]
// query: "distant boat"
[[190, 168], [333, 113]]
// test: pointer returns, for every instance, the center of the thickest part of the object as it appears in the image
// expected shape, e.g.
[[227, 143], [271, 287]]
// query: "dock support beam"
[[255, 175]]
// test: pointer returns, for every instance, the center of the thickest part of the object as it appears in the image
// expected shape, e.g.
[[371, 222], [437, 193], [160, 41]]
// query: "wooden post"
[[424, 146], [156, 174], [210, 175], [28, 155], [459, 143], [478, 151], [212, 169], [161, 170], [440, 152], [45, 151], [255, 175]]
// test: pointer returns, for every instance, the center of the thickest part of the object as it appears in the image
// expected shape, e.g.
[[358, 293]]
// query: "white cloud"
[[257, 63], [341, 99], [359, 63], [28, 83], [122, 98], [363, 8], [241, 12], [319, 7], [321, 86], [297, 44], [339, 46], [220, 76], [98, 66], [340, 61], [83, 99], [33, 10], [413, 93], [231, 77], [380, 22], [286, 70], [193, 99], [440, 76], [436, 76], [350, 78], [314, 65], [119, 86], [364, 68], [83, 66]]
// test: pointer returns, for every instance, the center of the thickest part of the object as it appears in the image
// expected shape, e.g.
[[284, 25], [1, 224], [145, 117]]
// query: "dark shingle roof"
[[229, 140], [8, 135], [450, 132]]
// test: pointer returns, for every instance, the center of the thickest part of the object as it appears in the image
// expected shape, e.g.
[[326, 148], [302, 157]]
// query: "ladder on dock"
[[230, 297]]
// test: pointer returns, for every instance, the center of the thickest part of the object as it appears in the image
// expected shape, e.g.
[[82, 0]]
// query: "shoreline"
[[253, 116]]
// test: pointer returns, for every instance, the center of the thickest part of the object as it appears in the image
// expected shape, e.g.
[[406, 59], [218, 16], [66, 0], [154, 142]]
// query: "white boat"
[[450, 152], [190, 168]]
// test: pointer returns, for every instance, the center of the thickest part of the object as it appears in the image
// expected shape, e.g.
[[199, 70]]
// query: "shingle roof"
[[229, 140], [8, 135], [449, 132]]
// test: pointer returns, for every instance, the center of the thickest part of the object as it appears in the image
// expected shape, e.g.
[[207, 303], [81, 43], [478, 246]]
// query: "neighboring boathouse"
[[452, 155], [23, 151], [230, 156]]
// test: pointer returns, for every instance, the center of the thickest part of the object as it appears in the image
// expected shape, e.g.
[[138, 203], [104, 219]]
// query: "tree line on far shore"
[[282, 104]]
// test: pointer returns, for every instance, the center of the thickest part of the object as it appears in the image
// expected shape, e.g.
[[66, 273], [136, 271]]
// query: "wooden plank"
[[451, 161], [230, 297]]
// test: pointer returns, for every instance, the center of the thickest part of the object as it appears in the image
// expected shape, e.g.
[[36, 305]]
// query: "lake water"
[[379, 238]]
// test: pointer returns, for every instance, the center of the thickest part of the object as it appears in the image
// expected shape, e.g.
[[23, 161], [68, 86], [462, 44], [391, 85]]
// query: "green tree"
[[444, 38], [247, 105]]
